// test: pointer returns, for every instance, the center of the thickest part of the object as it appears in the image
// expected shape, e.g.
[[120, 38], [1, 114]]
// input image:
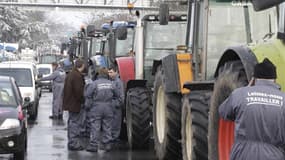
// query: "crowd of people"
[[94, 107]]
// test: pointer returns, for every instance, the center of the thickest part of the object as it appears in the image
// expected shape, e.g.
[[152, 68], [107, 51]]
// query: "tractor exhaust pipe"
[[139, 60]]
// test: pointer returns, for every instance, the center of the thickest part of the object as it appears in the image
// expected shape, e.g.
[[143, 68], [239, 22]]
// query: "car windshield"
[[21, 75], [7, 96], [44, 70]]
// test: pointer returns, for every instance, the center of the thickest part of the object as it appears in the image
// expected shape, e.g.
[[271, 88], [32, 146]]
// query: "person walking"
[[102, 91], [72, 102], [118, 103], [259, 116], [57, 78]]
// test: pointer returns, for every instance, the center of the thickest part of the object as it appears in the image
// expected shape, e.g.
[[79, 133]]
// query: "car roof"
[[22, 62], [5, 78], [44, 66], [16, 64]]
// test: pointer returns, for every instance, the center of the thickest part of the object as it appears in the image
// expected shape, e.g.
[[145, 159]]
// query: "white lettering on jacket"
[[104, 86], [264, 98]]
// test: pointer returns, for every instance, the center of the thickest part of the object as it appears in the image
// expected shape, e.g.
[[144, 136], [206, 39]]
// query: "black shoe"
[[52, 117], [80, 148], [91, 149], [106, 147]]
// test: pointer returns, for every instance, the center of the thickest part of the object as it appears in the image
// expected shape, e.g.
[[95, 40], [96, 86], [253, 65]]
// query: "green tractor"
[[224, 40], [235, 69]]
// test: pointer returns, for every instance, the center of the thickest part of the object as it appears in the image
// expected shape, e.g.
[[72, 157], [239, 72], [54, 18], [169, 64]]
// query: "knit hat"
[[265, 70]]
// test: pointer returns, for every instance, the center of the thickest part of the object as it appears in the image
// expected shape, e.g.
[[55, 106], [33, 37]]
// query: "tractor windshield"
[[96, 47], [124, 46], [163, 39], [238, 25], [48, 59]]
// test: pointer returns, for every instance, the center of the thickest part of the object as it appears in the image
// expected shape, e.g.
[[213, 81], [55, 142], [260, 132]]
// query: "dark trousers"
[[116, 123], [101, 117], [73, 129]]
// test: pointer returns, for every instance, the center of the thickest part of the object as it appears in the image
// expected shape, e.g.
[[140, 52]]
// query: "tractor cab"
[[158, 41], [120, 38], [88, 45]]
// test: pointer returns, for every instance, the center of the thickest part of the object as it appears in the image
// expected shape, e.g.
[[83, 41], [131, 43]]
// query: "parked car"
[[45, 70], [25, 74], [13, 119]]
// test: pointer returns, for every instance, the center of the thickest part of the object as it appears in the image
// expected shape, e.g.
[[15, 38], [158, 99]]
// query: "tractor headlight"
[[9, 124]]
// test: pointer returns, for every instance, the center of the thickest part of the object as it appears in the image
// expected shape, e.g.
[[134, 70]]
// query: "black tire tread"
[[231, 76], [170, 148], [139, 101], [197, 106]]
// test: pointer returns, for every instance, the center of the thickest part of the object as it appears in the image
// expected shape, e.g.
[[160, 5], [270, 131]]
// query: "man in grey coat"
[[57, 77], [259, 114], [102, 91], [118, 103]]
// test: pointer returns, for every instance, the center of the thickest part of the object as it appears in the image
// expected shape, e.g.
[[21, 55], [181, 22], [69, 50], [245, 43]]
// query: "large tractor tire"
[[195, 125], [221, 133], [138, 118], [166, 121]]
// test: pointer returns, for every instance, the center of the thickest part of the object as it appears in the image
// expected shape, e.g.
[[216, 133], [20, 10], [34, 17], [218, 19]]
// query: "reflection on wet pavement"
[[47, 140]]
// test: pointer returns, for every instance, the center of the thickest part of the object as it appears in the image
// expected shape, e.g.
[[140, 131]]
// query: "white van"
[[45, 70], [25, 74]]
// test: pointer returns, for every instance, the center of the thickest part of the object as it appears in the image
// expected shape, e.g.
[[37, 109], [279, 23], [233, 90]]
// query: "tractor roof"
[[117, 24], [172, 17]]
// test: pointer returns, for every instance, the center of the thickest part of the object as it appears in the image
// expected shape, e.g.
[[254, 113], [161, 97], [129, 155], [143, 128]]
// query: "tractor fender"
[[243, 53], [156, 64], [126, 68]]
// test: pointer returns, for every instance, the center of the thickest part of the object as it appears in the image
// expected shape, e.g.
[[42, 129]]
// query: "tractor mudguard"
[[177, 70], [242, 53], [126, 68]]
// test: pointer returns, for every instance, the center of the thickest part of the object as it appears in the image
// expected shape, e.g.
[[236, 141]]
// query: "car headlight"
[[10, 123]]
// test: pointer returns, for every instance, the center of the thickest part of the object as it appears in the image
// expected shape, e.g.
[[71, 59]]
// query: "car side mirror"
[[27, 99], [26, 102], [40, 75]]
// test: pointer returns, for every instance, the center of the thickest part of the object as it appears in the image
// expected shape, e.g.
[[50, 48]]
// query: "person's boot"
[[52, 117], [78, 148], [91, 148]]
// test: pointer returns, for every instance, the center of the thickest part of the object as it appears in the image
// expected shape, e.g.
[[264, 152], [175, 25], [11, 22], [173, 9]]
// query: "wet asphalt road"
[[47, 140]]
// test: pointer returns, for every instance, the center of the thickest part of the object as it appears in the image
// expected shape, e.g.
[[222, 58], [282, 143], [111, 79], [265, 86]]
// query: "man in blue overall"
[[118, 103], [102, 91], [259, 115], [57, 77]]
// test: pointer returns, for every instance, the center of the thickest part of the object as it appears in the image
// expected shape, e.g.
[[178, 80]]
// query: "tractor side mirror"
[[259, 5], [122, 33], [91, 30], [163, 14]]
